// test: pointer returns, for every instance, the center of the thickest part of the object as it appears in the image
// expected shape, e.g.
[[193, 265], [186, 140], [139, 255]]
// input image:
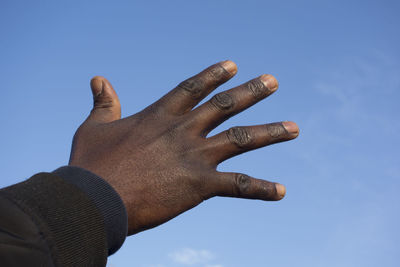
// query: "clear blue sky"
[[338, 64]]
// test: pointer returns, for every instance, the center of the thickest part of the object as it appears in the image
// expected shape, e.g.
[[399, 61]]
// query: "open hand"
[[161, 161]]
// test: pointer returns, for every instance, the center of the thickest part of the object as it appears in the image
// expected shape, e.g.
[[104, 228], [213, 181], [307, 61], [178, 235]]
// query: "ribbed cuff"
[[106, 199], [67, 218]]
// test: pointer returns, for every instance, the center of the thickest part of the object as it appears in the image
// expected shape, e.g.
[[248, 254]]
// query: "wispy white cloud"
[[189, 256]]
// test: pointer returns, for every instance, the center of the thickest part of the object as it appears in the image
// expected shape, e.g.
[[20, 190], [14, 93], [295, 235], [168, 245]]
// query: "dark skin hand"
[[161, 161]]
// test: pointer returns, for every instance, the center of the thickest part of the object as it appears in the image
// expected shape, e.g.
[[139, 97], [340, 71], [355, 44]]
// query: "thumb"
[[106, 106]]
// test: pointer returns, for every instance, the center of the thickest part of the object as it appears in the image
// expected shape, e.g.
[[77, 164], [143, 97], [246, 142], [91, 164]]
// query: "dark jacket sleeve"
[[70, 217]]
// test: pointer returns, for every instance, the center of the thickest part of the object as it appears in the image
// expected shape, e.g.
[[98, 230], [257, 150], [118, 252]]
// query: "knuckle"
[[257, 88], [217, 74], [263, 86], [276, 130], [242, 183], [239, 136], [194, 86], [222, 101], [102, 101]]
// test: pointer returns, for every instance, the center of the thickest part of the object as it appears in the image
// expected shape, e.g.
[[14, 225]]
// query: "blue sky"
[[339, 71]]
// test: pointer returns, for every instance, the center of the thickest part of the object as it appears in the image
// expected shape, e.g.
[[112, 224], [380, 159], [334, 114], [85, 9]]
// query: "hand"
[[161, 161]]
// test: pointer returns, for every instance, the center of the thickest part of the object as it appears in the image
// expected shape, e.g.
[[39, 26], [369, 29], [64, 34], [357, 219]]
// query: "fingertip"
[[97, 79], [97, 85], [229, 66], [270, 82], [280, 191], [100, 84], [292, 128]]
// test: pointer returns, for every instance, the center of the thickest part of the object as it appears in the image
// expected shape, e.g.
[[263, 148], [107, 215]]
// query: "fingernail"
[[280, 190], [97, 85], [270, 82], [229, 66], [291, 127]]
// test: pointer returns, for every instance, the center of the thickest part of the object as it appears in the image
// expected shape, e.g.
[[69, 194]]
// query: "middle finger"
[[224, 105]]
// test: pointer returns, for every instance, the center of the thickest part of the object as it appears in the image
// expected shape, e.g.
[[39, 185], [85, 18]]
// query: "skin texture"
[[161, 161]]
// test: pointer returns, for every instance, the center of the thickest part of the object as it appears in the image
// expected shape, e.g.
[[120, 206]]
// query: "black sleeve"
[[70, 217]]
